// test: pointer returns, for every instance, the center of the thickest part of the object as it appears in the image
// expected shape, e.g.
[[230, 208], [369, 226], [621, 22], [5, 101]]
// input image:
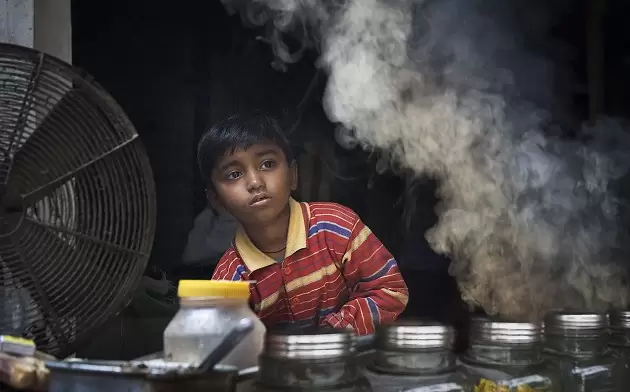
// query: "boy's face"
[[254, 185]]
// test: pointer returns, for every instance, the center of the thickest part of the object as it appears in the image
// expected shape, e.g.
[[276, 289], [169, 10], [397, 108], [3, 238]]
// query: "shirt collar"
[[254, 259]]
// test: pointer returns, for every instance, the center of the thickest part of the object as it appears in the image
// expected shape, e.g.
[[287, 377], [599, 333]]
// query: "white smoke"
[[529, 220]]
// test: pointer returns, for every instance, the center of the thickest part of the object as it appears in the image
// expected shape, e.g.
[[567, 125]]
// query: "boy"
[[313, 264]]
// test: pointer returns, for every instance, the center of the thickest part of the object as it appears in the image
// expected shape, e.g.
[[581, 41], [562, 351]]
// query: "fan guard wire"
[[77, 202]]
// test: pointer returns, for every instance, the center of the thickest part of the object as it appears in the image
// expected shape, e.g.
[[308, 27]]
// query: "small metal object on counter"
[[414, 355], [137, 376], [578, 343], [246, 374], [506, 355], [150, 357], [309, 362]]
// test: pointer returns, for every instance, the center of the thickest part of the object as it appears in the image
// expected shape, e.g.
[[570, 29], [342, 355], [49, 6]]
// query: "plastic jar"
[[578, 343], [619, 343], [414, 356], [505, 357], [209, 309]]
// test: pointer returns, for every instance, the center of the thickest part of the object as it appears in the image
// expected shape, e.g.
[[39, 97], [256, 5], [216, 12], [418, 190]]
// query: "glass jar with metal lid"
[[577, 342], [414, 356], [507, 356], [310, 362], [619, 343]]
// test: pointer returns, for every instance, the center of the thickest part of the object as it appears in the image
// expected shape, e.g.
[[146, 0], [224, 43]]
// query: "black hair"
[[236, 133]]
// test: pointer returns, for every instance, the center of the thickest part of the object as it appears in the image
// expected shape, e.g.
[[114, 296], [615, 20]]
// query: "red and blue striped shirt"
[[335, 272]]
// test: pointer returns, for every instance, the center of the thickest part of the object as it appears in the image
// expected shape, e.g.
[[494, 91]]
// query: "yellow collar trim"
[[254, 259]]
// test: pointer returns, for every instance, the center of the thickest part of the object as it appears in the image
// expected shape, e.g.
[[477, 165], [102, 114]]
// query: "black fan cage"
[[77, 202]]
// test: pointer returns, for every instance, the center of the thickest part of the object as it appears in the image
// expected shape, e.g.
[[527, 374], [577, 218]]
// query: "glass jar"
[[209, 310], [414, 356], [619, 343], [309, 362], [505, 357], [577, 343]]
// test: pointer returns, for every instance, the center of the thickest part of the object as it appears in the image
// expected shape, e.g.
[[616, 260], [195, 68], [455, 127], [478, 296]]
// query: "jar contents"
[[310, 362], [577, 341], [507, 357], [619, 343], [414, 357], [209, 310], [524, 384]]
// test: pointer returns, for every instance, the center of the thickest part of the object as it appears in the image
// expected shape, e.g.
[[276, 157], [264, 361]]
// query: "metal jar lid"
[[327, 345], [575, 322], [409, 336], [619, 319], [504, 332]]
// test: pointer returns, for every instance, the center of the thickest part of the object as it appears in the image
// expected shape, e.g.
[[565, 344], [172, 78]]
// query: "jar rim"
[[576, 323], [505, 332], [415, 335]]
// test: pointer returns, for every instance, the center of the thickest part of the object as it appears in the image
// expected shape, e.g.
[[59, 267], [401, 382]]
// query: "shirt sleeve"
[[378, 293], [230, 267]]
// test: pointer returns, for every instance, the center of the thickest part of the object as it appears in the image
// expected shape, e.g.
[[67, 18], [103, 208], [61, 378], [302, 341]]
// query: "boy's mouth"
[[259, 199]]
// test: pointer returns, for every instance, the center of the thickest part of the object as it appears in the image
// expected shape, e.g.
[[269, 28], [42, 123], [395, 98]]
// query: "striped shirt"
[[335, 273]]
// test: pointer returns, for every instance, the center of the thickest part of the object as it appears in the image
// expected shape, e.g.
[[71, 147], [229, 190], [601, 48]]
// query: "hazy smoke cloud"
[[529, 220]]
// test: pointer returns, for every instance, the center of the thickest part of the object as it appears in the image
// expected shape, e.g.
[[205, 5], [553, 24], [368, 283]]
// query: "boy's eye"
[[233, 175], [267, 164]]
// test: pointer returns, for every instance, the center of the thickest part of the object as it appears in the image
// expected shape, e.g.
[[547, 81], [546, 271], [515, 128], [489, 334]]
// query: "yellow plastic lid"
[[213, 288]]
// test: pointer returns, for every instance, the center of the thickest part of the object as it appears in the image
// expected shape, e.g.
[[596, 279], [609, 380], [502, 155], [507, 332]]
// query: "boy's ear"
[[293, 173]]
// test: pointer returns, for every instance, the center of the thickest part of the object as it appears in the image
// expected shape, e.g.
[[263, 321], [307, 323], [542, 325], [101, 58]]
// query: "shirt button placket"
[[293, 301]]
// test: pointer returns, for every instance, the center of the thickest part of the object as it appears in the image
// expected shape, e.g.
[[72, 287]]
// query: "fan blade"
[[72, 137]]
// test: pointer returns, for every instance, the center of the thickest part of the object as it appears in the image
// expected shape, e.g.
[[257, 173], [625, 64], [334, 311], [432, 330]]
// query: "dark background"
[[175, 67]]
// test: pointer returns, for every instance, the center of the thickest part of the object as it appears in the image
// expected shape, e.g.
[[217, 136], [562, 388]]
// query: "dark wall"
[[174, 67], [145, 55], [617, 58]]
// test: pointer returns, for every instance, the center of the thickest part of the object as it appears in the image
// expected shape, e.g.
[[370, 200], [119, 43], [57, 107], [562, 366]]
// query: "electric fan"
[[77, 202]]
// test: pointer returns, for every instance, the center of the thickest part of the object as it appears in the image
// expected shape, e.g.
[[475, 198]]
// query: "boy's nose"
[[255, 182]]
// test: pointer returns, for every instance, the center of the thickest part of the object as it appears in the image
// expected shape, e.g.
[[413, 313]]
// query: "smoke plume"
[[529, 219]]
